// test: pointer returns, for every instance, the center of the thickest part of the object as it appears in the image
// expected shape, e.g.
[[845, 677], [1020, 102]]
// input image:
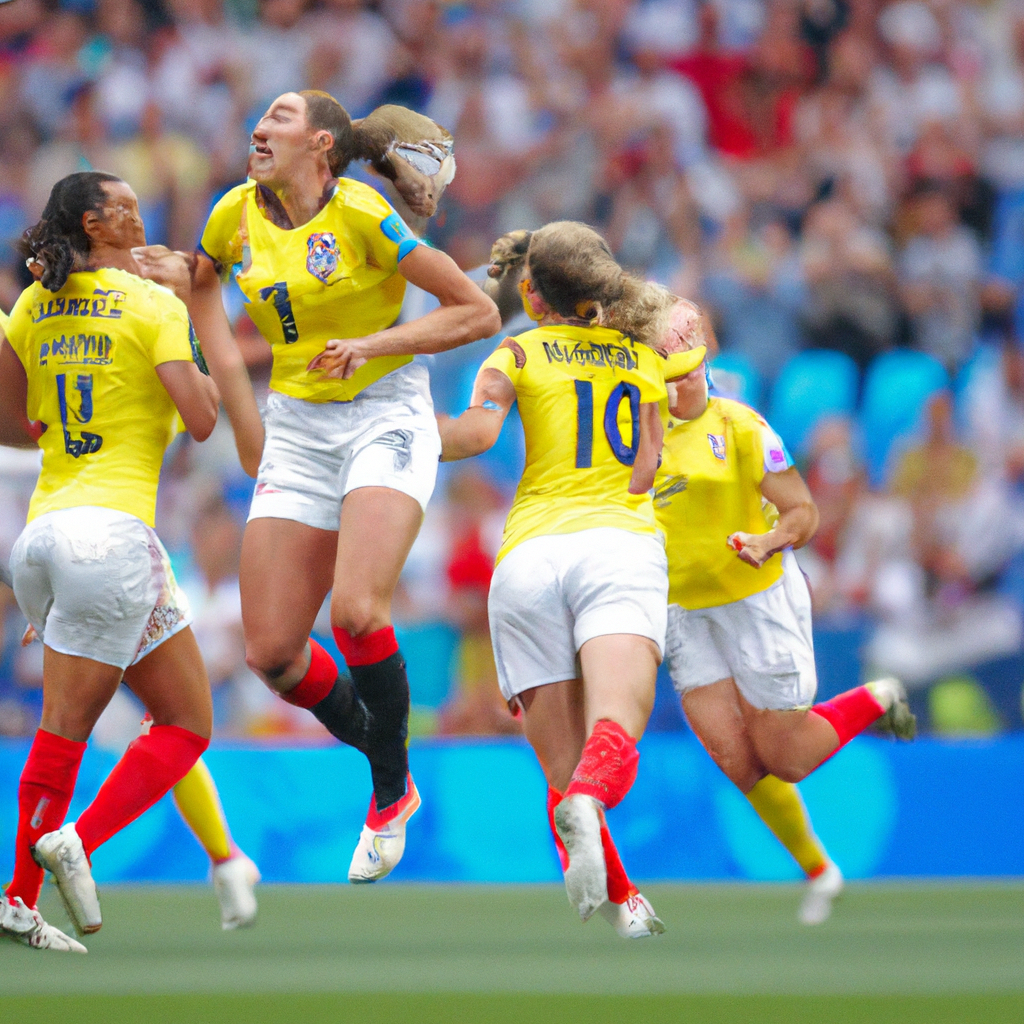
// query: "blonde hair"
[[645, 313]]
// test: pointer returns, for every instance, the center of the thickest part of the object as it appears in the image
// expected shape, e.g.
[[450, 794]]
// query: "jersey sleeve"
[[221, 239], [388, 238], [651, 375], [509, 357], [172, 333], [776, 455]]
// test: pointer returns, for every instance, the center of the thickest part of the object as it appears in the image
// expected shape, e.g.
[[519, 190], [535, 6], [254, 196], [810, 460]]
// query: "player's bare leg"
[[377, 530], [618, 694], [791, 744], [717, 719]]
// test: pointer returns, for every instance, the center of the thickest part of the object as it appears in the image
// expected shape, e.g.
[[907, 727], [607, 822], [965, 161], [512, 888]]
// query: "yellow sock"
[[199, 804], [779, 805]]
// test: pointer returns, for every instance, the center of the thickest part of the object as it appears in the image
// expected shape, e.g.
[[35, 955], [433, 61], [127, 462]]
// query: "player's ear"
[[322, 141], [91, 222]]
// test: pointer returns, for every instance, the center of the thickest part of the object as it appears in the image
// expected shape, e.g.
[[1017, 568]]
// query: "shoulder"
[[355, 195], [738, 413], [149, 297], [226, 215], [233, 199]]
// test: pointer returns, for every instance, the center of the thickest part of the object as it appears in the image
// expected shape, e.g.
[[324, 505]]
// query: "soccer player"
[[97, 367], [233, 874], [576, 601], [351, 447], [739, 645]]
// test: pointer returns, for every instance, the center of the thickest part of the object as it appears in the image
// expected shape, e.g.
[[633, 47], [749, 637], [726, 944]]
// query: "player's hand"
[[341, 357], [165, 266], [753, 548]]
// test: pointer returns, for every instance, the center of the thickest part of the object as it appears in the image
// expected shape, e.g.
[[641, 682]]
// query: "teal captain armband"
[[396, 230]]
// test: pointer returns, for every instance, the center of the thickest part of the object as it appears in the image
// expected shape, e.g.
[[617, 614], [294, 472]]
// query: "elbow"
[[484, 321]]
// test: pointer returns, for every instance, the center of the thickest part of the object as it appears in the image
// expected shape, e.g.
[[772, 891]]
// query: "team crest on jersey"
[[717, 442], [322, 255]]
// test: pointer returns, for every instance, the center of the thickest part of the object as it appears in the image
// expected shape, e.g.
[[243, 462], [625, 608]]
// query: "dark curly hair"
[[59, 237]]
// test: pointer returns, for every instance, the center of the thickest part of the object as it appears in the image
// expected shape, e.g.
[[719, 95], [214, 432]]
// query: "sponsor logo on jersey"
[[664, 494], [77, 350], [777, 456], [322, 255], [717, 442]]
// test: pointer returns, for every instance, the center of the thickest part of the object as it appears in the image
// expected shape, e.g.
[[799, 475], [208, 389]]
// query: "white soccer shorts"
[[97, 583], [317, 452], [550, 595], [764, 642]]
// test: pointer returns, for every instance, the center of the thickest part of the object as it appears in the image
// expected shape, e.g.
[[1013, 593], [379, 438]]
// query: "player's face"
[[688, 396], [281, 142], [119, 223]]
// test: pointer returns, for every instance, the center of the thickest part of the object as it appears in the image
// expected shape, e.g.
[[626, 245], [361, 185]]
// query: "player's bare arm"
[[477, 429], [652, 435], [798, 519], [15, 429], [226, 364], [194, 279], [194, 393], [466, 314]]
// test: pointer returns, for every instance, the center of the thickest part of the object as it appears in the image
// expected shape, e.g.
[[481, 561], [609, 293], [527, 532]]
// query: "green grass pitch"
[[892, 954]]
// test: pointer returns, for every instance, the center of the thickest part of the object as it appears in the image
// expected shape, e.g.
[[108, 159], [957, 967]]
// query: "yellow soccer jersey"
[[90, 352], [708, 487], [579, 391], [4, 321], [334, 277]]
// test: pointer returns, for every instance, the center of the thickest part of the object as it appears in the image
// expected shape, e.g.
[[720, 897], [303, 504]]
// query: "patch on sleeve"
[[776, 455], [517, 351], [396, 230]]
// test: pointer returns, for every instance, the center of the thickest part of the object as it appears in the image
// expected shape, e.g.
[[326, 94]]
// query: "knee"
[[271, 660], [358, 615], [744, 772]]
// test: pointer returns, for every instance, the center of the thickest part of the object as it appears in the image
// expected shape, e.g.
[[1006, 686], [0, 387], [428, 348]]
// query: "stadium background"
[[841, 184]]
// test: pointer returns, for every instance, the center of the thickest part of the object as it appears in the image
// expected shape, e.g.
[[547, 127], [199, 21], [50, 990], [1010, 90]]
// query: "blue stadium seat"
[[735, 377], [429, 650], [810, 386], [897, 387]]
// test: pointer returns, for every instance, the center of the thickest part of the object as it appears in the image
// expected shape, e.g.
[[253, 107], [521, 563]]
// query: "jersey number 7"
[[585, 423]]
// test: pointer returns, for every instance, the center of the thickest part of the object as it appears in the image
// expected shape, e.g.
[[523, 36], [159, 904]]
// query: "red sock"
[[608, 766], [620, 888], [554, 799], [318, 681], [367, 649], [850, 713], [47, 783], [151, 765]]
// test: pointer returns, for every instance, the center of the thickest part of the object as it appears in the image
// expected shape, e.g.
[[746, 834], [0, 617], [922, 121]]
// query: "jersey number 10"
[[88, 443], [626, 454]]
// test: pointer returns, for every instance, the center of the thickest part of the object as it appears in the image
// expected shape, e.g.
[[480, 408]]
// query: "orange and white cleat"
[[382, 841]]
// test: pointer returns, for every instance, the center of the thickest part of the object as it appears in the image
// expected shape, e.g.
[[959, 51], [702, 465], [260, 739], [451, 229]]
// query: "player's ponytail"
[[59, 240], [574, 272]]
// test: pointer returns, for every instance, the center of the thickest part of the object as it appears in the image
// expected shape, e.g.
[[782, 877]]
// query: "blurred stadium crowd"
[[840, 182]]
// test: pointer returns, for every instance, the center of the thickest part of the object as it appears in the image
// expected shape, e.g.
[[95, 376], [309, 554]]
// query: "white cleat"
[[898, 719], [821, 892], [634, 919], [382, 842], [578, 821], [62, 854], [26, 926], [233, 882]]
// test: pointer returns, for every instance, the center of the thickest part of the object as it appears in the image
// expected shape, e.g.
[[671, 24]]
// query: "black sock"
[[344, 715], [384, 689]]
